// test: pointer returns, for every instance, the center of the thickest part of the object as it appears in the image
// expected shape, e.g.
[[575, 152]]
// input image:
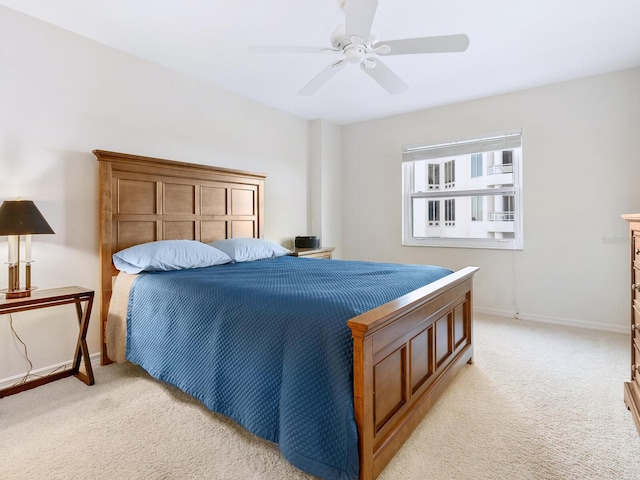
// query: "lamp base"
[[18, 293]]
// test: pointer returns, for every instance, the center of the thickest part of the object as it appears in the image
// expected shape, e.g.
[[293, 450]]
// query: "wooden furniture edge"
[[54, 297], [175, 165], [631, 389], [313, 252], [377, 447], [373, 320], [105, 253], [46, 298], [632, 400]]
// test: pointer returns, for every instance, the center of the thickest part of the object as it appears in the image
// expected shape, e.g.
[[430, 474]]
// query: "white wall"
[[581, 162], [325, 184], [61, 96]]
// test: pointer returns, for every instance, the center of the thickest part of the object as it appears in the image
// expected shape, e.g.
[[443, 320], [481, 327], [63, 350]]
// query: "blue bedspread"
[[266, 343]]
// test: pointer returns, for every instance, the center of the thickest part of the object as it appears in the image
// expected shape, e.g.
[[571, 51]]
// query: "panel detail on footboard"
[[443, 338], [421, 360], [389, 380], [412, 348]]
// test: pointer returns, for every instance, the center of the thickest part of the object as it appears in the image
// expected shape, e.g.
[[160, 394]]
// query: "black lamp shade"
[[22, 217]]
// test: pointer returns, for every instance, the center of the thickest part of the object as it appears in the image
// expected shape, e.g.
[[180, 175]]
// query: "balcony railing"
[[501, 216], [498, 169]]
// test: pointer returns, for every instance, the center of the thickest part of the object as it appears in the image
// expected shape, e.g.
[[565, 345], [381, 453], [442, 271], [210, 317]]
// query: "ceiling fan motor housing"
[[354, 53]]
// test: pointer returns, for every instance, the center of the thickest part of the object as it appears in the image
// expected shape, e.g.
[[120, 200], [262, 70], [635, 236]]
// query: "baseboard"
[[550, 320], [9, 381]]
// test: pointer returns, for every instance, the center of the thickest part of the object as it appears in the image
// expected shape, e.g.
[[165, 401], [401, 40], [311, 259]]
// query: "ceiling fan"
[[357, 45]]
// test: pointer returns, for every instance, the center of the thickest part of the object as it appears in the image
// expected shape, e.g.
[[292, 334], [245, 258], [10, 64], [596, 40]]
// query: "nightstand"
[[322, 252], [51, 298]]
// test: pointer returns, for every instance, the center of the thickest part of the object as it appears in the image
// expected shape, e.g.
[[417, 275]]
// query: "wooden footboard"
[[405, 354]]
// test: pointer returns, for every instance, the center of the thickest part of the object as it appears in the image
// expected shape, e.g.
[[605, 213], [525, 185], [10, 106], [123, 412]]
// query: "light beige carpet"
[[541, 402]]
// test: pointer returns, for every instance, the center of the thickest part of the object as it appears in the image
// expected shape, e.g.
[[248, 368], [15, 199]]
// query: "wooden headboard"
[[145, 199]]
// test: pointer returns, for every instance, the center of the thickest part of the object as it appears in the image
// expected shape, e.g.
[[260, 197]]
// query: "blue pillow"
[[165, 255], [249, 249]]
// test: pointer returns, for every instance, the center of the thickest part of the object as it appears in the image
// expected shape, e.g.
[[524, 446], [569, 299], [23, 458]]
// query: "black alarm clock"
[[307, 242]]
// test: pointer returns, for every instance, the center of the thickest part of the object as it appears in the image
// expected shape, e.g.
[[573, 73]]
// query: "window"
[[476, 165], [434, 213], [508, 202], [450, 174], [450, 212], [481, 198], [434, 176], [476, 209]]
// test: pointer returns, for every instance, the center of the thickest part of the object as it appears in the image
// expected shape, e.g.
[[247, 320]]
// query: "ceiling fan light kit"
[[358, 45]]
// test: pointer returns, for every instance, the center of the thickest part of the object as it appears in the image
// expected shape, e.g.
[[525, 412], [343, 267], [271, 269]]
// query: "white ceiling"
[[514, 45]]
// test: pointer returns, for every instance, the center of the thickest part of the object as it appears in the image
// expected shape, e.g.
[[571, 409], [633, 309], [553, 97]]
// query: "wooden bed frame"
[[406, 351]]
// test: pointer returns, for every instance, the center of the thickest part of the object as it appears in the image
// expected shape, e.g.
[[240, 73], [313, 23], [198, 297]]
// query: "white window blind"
[[462, 147]]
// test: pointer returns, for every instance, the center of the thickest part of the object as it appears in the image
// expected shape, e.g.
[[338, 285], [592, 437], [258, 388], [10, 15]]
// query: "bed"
[[403, 352]]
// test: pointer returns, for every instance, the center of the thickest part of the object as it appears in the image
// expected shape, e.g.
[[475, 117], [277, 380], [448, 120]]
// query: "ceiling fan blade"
[[359, 16], [287, 49], [441, 44], [384, 76], [319, 80]]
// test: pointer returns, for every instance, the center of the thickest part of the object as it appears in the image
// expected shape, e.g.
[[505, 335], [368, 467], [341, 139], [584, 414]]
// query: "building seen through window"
[[480, 202]]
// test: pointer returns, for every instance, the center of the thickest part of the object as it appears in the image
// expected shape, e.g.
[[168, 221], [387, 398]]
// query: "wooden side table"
[[51, 298], [321, 252]]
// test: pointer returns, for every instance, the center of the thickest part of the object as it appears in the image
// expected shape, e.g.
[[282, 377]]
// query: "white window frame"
[[447, 151]]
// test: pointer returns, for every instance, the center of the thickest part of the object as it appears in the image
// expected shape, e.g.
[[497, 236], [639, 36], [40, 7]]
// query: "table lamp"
[[20, 217]]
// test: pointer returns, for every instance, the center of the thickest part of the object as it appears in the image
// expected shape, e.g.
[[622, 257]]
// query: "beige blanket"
[[116, 329]]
